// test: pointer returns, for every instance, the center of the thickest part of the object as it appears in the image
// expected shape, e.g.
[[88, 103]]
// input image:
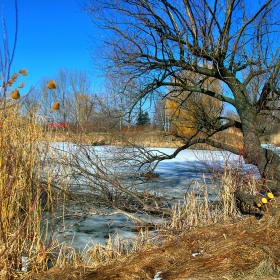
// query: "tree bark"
[[267, 162]]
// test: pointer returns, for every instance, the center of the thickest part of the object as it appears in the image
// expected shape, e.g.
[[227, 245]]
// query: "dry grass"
[[95, 254], [202, 240], [145, 138], [245, 249], [199, 210], [24, 194]]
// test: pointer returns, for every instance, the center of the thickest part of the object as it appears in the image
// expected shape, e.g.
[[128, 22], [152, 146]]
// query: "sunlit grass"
[[24, 195]]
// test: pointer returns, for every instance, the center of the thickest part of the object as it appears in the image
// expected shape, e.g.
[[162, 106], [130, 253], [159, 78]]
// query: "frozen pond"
[[189, 170]]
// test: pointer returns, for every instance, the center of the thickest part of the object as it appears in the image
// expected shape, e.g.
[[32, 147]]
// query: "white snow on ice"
[[177, 176]]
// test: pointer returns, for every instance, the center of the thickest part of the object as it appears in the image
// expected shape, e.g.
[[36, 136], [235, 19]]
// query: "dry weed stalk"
[[67, 256], [198, 209], [23, 196], [228, 188], [94, 253]]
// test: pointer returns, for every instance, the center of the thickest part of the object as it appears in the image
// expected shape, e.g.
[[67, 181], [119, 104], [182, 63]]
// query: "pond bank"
[[246, 249]]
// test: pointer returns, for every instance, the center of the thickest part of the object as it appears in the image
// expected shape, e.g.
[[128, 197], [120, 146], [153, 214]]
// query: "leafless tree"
[[73, 93], [161, 118], [233, 41]]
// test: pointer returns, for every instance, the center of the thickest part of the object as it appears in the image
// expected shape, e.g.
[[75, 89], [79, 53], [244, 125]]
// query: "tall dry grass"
[[199, 209], [29, 201], [24, 195]]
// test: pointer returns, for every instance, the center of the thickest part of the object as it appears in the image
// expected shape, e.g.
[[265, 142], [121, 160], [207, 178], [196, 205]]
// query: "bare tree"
[[44, 97], [233, 41], [161, 118], [114, 99], [73, 94]]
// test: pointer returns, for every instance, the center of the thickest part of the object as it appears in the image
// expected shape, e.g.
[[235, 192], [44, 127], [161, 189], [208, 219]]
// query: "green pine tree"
[[143, 118]]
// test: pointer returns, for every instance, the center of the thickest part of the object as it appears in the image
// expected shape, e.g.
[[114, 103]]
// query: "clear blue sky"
[[52, 34]]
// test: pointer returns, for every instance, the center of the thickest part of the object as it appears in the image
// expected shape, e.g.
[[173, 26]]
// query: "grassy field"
[[146, 138]]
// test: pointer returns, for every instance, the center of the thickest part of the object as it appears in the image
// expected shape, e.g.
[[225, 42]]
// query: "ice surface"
[[177, 177]]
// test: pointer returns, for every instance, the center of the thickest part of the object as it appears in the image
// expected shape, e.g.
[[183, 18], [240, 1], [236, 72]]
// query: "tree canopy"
[[235, 42], [193, 113]]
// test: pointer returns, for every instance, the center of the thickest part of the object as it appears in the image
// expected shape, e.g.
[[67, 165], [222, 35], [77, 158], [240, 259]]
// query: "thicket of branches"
[[234, 42]]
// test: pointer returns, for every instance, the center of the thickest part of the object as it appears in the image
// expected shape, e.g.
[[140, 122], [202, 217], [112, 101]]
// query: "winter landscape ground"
[[245, 247], [191, 170]]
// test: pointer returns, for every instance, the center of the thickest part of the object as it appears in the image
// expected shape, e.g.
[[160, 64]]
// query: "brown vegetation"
[[145, 138], [239, 248], [202, 241], [24, 194], [244, 249]]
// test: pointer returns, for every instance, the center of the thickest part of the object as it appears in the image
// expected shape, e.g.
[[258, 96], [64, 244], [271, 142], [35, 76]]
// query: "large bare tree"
[[233, 41]]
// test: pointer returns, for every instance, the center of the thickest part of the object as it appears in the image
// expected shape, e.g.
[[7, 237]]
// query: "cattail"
[[51, 84], [14, 76], [21, 85], [23, 72], [56, 106], [10, 82], [15, 94]]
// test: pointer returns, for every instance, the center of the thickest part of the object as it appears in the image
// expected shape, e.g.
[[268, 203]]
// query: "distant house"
[[58, 124]]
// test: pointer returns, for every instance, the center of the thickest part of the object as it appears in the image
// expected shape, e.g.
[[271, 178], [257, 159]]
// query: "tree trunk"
[[267, 162]]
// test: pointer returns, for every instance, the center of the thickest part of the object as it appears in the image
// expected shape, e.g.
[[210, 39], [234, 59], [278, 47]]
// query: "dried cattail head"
[[23, 72], [51, 84], [10, 82], [56, 106], [21, 85], [14, 76], [15, 94]]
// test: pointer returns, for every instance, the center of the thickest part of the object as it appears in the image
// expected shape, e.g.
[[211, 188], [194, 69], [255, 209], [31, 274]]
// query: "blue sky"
[[52, 34]]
